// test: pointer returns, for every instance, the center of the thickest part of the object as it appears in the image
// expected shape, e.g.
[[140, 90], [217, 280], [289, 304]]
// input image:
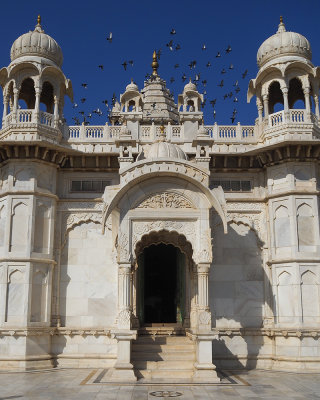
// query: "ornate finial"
[[39, 20], [281, 27], [162, 136], [155, 64]]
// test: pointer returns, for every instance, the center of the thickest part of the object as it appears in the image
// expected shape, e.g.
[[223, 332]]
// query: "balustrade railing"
[[24, 116], [292, 116], [46, 118]]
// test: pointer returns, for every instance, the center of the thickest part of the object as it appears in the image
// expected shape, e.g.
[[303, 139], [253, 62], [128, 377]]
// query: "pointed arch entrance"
[[162, 280]]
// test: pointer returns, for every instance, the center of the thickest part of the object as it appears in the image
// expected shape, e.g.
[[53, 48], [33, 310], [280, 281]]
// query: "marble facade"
[[79, 204]]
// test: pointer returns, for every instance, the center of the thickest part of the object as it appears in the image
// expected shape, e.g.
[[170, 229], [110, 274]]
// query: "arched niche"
[[295, 93], [27, 94], [310, 298], [276, 102]]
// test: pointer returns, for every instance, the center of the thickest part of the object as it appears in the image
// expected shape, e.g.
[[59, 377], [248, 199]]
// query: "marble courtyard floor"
[[89, 384]]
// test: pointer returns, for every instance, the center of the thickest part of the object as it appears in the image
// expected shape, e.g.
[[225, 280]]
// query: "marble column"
[[123, 369], [37, 105], [15, 103], [204, 368], [265, 98], [306, 92], [56, 112], [285, 104], [5, 109], [316, 103]]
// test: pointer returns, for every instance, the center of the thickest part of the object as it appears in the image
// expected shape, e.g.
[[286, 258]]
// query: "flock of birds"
[[199, 79]]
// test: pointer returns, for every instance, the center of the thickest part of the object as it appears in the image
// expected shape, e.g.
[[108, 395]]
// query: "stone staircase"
[[163, 357]]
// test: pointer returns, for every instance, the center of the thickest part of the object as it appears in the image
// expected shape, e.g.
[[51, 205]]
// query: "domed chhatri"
[[163, 149], [37, 43], [283, 43], [190, 87], [132, 87]]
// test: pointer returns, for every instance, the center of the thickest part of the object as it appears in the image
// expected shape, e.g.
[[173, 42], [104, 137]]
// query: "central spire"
[[155, 64]]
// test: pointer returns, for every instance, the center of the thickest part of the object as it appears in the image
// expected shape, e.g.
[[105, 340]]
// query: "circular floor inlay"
[[165, 393]]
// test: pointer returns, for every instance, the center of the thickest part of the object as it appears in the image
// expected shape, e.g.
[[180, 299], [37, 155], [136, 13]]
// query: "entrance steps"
[[163, 357]]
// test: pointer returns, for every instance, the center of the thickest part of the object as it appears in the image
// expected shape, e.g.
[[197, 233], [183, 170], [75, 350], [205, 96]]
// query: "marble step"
[[165, 348], [164, 374], [163, 356], [163, 365]]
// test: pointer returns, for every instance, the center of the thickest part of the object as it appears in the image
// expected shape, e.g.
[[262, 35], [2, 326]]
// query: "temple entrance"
[[161, 285]]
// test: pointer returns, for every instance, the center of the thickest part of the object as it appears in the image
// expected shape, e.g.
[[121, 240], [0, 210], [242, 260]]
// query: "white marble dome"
[[283, 43], [132, 87], [162, 149], [37, 43], [190, 87]]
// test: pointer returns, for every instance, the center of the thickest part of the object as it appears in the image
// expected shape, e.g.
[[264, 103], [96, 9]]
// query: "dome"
[[283, 43], [166, 150], [37, 43], [132, 87], [162, 149], [190, 87]]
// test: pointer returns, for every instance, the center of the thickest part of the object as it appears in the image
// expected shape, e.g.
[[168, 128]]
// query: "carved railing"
[[291, 117], [28, 116]]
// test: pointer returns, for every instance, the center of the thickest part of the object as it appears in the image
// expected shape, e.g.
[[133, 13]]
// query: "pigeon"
[[223, 71], [236, 83], [218, 54], [204, 47], [197, 77], [75, 105], [131, 62], [170, 44], [231, 66], [159, 54], [124, 64], [184, 77], [173, 31], [244, 74], [83, 100], [178, 47], [105, 102], [235, 100], [214, 114], [225, 96], [204, 82], [208, 64], [237, 89], [221, 83], [228, 49], [213, 102], [176, 65], [109, 38], [84, 85], [172, 79], [100, 66]]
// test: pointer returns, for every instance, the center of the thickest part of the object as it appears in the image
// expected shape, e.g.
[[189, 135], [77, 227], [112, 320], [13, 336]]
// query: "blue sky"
[[141, 26]]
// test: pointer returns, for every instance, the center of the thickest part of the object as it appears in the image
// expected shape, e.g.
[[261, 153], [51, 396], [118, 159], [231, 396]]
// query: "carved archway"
[[188, 277]]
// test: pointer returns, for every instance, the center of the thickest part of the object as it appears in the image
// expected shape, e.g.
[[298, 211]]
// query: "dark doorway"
[[161, 277]]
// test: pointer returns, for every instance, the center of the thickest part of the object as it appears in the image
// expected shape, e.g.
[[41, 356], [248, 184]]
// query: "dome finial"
[[155, 64], [39, 20], [281, 27], [162, 136]]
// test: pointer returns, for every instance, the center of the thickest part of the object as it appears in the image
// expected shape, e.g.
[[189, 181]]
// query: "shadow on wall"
[[238, 289]]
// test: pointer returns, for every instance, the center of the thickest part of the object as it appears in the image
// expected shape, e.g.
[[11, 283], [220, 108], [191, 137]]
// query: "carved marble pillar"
[[204, 368], [265, 98], [316, 104], [306, 92], [37, 104], [285, 104], [5, 108], [56, 112], [123, 369], [15, 103]]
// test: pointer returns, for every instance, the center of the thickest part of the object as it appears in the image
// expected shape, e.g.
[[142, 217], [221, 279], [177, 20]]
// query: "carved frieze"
[[166, 200]]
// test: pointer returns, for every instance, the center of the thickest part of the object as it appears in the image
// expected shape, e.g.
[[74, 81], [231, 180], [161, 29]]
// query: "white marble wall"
[[88, 281]]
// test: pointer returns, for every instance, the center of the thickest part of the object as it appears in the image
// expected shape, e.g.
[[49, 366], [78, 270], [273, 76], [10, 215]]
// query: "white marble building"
[[155, 245]]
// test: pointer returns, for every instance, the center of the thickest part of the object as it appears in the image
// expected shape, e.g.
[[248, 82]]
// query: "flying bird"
[[176, 65], [231, 66], [172, 79], [208, 64], [173, 31], [178, 47], [213, 102], [109, 38], [83, 100], [218, 54], [125, 64], [184, 77], [221, 83], [228, 49], [223, 71], [131, 62], [84, 85], [244, 74], [204, 47], [100, 66]]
